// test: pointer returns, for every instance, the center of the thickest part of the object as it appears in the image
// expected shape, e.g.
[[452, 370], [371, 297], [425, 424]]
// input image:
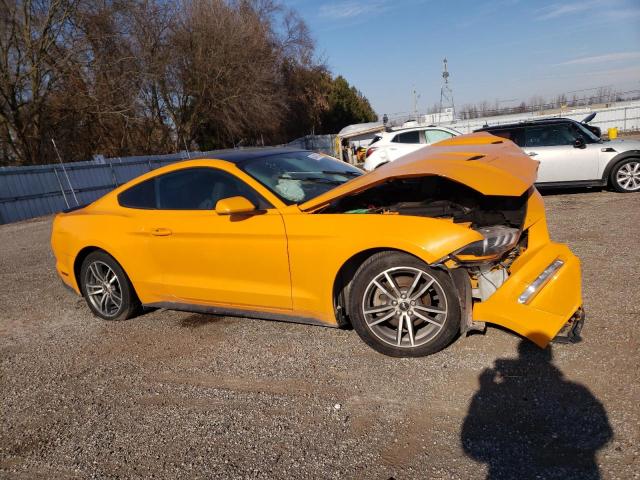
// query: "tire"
[[375, 317], [625, 177], [99, 272]]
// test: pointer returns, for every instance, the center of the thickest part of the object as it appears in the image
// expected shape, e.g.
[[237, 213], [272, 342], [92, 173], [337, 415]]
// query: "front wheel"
[[625, 177], [106, 288], [401, 307]]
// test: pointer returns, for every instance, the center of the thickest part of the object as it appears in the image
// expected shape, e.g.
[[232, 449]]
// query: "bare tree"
[[150, 76], [36, 45]]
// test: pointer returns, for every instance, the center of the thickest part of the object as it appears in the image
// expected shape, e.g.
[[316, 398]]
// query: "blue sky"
[[497, 50]]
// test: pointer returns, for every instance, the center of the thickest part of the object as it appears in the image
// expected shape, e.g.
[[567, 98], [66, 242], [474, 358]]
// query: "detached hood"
[[489, 164]]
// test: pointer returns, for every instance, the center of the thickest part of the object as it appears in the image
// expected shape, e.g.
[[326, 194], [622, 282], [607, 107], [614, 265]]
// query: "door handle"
[[161, 232], [532, 154]]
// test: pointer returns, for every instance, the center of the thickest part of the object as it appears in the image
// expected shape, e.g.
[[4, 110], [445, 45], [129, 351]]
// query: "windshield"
[[295, 177], [592, 137]]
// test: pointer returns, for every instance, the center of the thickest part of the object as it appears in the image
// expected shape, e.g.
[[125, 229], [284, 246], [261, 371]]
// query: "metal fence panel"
[[28, 192], [317, 143], [34, 191], [625, 119]]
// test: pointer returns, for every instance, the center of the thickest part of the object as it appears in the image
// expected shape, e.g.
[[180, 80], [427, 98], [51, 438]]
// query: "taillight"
[[370, 150]]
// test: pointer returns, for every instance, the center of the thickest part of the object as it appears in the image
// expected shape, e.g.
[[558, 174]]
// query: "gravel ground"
[[176, 395]]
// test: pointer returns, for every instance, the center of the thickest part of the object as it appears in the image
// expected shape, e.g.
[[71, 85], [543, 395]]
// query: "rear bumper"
[[66, 275], [554, 304]]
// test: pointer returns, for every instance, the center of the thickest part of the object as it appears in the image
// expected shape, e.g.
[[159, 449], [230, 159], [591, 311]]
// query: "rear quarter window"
[[142, 195], [407, 137]]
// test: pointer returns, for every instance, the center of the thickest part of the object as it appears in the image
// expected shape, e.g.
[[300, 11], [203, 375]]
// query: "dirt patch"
[[177, 395]]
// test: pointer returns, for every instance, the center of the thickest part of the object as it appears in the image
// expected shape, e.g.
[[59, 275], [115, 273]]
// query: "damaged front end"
[[510, 274], [477, 269], [514, 276]]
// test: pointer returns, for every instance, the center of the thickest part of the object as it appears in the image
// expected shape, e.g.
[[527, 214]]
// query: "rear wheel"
[[106, 288], [402, 307], [625, 177]]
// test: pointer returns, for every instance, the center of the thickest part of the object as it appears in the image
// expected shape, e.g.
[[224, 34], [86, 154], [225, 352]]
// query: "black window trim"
[[416, 131]]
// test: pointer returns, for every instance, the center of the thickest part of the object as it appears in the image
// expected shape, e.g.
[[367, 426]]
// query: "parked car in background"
[[411, 255], [571, 154], [388, 146]]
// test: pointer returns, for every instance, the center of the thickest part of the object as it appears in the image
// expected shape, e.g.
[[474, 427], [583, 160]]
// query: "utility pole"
[[416, 96], [446, 94]]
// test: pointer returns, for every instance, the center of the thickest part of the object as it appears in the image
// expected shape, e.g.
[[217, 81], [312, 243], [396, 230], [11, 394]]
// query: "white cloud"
[[563, 9], [351, 8], [609, 57]]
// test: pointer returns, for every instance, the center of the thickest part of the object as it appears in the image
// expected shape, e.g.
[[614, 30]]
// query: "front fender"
[[320, 244], [616, 160]]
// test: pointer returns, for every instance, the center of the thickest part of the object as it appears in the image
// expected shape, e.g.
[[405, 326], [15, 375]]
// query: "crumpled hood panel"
[[489, 164]]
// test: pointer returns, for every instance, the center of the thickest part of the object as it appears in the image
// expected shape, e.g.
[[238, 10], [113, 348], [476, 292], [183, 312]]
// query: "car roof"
[[418, 127], [526, 123], [238, 155]]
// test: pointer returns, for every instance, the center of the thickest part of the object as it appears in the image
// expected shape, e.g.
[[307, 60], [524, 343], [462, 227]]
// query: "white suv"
[[389, 146]]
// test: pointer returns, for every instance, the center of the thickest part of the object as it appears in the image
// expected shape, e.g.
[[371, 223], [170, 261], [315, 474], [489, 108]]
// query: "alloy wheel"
[[628, 176], [103, 288], [404, 307]]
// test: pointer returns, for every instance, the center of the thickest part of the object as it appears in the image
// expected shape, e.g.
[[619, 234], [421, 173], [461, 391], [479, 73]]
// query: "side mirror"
[[233, 205], [579, 143]]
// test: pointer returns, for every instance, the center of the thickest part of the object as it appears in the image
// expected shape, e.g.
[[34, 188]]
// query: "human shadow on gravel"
[[527, 421]]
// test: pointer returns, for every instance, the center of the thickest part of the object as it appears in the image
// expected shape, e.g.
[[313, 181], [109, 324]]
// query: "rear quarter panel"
[[122, 236]]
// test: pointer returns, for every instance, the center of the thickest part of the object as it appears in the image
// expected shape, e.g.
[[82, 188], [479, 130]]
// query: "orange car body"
[[285, 262]]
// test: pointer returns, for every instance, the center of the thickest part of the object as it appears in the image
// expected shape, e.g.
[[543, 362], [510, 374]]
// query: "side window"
[[516, 135], [433, 136], [142, 195], [407, 137], [191, 189], [549, 135], [200, 189]]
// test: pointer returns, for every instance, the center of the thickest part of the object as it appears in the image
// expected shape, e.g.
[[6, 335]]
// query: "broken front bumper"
[[570, 332], [542, 293]]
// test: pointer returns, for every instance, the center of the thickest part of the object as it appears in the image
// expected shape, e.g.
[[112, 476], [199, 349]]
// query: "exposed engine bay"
[[436, 197], [498, 218]]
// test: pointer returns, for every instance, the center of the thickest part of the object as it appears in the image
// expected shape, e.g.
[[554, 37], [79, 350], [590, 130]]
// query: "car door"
[[404, 143], [210, 258], [553, 145]]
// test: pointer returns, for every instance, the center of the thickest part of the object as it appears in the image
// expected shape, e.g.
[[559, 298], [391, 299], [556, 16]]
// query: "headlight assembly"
[[497, 240]]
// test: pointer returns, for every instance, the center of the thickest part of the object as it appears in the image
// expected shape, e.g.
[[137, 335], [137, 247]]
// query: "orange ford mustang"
[[412, 255]]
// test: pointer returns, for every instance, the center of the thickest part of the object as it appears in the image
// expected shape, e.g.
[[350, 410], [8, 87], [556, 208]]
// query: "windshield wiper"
[[313, 179], [345, 172]]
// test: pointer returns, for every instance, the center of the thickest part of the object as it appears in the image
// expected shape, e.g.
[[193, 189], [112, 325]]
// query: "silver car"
[[572, 155]]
